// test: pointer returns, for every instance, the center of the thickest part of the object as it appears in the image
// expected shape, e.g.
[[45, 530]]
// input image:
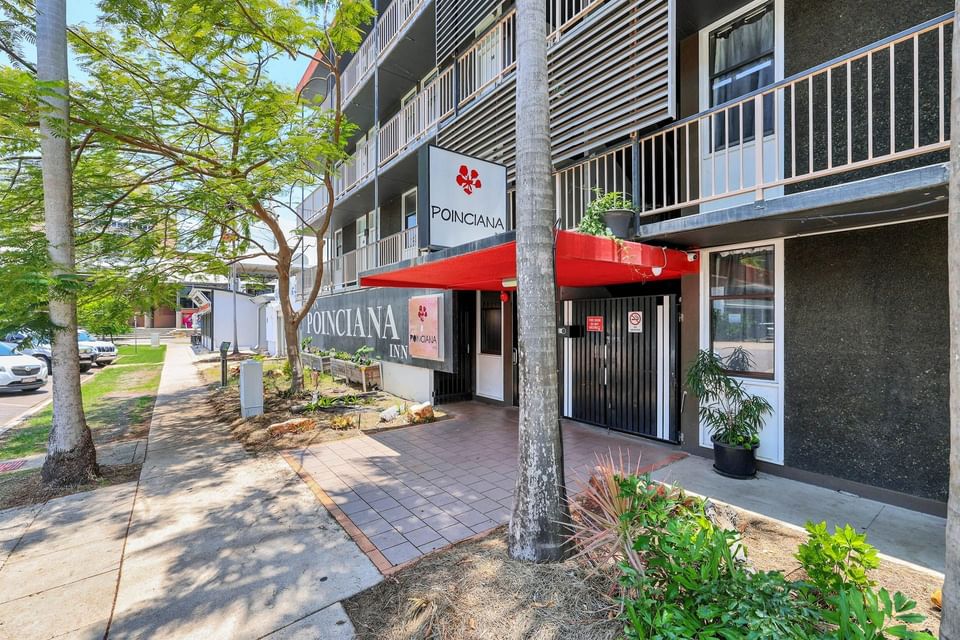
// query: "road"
[[14, 403]]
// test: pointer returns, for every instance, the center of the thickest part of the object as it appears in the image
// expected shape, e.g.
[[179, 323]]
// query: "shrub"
[[342, 422], [839, 561], [873, 615], [592, 221]]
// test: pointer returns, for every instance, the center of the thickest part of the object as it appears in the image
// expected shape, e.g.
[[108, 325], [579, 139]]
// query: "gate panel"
[[616, 373], [450, 387]]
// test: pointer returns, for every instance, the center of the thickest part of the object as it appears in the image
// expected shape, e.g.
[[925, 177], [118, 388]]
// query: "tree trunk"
[[950, 623], [71, 458], [537, 525], [291, 324]]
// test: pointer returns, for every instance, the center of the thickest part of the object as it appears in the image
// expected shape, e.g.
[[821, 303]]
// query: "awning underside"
[[582, 261]]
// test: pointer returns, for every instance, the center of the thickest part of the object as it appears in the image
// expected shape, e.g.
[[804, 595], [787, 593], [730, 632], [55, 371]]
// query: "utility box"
[[154, 339], [251, 388]]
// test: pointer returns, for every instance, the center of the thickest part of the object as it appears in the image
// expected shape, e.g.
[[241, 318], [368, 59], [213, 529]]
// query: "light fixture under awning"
[[582, 261]]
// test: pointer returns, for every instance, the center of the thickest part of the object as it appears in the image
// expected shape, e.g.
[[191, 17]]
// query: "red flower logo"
[[422, 313], [468, 179]]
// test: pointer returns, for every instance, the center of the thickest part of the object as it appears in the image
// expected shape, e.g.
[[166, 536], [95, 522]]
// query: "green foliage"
[[105, 316], [141, 354], [362, 356], [592, 221], [839, 561], [692, 587], [730, 413], [865, 614]]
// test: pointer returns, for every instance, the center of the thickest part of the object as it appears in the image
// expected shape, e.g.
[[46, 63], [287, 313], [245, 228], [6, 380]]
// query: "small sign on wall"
[[595, 323], [635, 322], [423, 320]]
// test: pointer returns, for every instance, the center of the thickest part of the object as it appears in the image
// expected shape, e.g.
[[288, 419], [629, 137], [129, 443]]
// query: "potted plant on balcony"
[[608, 214], [732, 415]]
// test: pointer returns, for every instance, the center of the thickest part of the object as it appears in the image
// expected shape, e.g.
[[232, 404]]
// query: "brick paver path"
[[412, 490]]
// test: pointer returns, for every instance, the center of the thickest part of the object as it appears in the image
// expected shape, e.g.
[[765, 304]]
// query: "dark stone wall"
[[867, 357], [816, 31]]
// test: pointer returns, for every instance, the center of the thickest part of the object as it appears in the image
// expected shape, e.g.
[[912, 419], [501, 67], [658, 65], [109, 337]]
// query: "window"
[[491, 321], [742, 61], [409, 216], [742, 328]]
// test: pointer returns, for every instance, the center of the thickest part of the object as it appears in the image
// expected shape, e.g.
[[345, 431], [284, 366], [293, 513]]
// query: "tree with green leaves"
[[184, 87], [71, 457]]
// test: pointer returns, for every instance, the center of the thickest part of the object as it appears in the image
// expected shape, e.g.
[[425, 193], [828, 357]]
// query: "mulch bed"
[[25, 487], [474, 591]]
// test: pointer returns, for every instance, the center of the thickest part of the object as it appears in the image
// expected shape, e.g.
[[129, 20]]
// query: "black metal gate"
[[618, 377], [450, 387]]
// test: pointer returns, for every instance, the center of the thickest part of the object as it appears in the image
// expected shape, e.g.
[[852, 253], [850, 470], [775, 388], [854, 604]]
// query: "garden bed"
[[474, 591], [341, 410]]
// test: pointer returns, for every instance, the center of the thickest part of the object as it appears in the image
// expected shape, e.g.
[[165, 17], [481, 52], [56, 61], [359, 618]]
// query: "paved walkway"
[[220, 544], [409, 491]]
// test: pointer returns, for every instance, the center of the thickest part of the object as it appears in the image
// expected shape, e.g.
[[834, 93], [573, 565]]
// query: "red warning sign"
[[595, 323]]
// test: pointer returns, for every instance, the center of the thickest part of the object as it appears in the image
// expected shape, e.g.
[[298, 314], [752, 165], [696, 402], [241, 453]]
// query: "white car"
[[106, 351], [20, 372]]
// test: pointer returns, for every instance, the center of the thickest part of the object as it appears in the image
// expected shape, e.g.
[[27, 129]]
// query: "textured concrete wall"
[[866, 351]]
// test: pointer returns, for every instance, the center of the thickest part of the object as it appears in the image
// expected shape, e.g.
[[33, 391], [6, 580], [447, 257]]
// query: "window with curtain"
[[742, 61], [742, 322]]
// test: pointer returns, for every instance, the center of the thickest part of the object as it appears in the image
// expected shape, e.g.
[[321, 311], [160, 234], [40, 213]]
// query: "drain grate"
[[13, 465]]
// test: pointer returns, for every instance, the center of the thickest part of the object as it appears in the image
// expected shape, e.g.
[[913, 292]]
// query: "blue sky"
[[285, 71]]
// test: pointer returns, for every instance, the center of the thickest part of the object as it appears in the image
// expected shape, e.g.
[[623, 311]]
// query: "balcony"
[[341, 273], [466, 80]]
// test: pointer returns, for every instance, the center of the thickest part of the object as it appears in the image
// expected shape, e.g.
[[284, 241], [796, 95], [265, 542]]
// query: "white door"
[[741, 319], [489, 345]]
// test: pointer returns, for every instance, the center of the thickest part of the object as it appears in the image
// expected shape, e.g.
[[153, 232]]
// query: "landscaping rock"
[[389, 414], [292, 425], [418, 413]]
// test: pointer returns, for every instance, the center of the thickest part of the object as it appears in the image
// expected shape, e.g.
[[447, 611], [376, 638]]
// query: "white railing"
[[418, 116], [576, 185], [342, 272], [490, 58], [391, 23], [882, 103]]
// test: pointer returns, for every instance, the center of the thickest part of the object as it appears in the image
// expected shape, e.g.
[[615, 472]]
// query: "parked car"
[[20, 372], [33, 344], [106, 351]]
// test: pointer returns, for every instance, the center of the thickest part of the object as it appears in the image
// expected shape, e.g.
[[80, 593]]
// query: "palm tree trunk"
[[537, 530], [950, 623], [71, 458]]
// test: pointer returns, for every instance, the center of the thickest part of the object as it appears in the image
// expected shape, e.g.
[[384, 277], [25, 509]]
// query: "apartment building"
[[788, 162]]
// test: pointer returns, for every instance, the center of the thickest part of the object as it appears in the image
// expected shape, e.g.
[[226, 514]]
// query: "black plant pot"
[[734, 462], [618, 221]]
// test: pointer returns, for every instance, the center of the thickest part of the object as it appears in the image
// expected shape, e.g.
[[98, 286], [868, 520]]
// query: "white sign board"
[[466, 198], [635, 322]]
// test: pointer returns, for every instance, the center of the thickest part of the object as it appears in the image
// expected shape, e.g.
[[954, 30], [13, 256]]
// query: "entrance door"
[[490, 345], [620, 372], [458, 385]]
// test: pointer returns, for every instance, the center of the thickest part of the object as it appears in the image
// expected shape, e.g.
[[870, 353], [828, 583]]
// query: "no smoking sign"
[[635, 322]]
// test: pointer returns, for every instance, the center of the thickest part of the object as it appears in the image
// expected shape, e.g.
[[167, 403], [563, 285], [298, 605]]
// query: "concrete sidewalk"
[[912, 537], [225, 545]]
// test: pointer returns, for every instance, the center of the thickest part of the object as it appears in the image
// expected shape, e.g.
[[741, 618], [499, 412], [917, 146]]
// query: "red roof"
[[582, 261]]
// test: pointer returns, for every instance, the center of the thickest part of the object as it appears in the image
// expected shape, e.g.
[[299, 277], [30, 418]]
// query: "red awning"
[[582, 261]]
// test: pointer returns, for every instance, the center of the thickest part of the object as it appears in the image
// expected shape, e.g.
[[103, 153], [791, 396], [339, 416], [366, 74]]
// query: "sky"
[[284, 71]]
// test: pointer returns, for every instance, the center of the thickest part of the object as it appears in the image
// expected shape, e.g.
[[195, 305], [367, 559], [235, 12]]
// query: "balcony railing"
[[392, 22], [886, 102], [418, 116], [342, 272]]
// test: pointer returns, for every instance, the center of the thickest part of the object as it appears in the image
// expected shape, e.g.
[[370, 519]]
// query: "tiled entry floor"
[[412, 490]]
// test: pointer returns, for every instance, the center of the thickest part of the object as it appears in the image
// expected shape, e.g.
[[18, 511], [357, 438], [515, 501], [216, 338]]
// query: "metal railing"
[[342, 272], [392, 22], [576, 184], [418, 116], [879, 104]]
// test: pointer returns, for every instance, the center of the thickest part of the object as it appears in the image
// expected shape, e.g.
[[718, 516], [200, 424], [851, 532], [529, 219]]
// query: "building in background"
[[788, 162]]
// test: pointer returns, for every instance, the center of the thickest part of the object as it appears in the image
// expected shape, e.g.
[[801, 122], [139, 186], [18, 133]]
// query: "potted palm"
[[733, 416], [609, 214]]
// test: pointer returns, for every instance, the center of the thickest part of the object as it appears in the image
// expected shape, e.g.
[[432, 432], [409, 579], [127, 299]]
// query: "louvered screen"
[[609, 76], [456, 19]]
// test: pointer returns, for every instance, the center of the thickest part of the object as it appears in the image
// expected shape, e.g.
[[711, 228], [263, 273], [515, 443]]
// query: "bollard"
[[224, 348], [154, 339], [251, 388]]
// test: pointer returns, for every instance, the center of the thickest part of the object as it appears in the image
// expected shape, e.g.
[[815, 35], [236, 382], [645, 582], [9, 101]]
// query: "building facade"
[[788, 162]]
